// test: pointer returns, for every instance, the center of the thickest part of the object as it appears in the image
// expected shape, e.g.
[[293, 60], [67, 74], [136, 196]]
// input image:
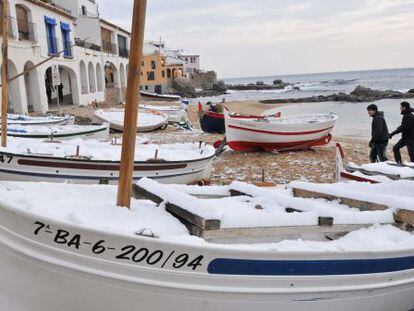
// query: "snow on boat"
[[59, 131], [175, 114], [76, 248], [162, 97], [93, 162], [382, 172], [147, 120], [272, 133], [17, 119]]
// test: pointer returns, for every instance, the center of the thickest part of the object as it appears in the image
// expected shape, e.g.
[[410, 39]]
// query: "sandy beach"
[[317, 165]]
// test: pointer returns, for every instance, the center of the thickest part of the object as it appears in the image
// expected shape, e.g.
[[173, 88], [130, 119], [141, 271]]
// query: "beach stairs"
[[211, 229]]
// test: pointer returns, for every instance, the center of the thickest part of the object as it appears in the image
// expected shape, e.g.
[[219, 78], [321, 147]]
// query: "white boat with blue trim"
[[20, 119], [76, 248]]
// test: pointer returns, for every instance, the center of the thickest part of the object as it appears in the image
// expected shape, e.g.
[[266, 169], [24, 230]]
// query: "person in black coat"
[[379, 135], [407, 131]]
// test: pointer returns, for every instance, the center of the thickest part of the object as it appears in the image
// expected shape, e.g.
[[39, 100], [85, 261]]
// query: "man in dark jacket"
[[379, 135], [407, 131]]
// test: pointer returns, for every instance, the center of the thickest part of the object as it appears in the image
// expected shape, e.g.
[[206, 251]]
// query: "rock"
[[184, 88], [220, 87], [260, 83], [277, 81], [411, 91]]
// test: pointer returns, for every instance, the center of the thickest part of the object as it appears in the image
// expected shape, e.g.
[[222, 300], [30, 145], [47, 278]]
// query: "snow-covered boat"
[[159, 97], [59, 131], [147, 120], [93, 161], [72, 249], [273, 133], [382, 172], [17, 119], [175, 114]]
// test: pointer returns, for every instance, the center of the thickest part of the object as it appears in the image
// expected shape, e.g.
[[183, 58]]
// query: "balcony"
[[26, 30], [108, 47], [123, 52], [87, 45]]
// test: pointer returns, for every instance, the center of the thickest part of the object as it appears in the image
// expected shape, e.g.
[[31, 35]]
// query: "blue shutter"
[[51, 34]]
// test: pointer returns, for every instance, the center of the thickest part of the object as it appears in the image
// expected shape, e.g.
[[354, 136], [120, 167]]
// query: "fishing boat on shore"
[[159, 97], [294, 132], [175, 114], [59, 131], [188, 248], [93, 162], [148, 120], [18, 119], [382, 172]]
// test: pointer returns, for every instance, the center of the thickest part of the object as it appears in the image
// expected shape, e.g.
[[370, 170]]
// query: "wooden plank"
[[371, 173], [361, 205], [179, 212], [240, 233], [404, 216]]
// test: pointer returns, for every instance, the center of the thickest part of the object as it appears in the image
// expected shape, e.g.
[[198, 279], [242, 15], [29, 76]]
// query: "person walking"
[[407, 130], [379, 135]]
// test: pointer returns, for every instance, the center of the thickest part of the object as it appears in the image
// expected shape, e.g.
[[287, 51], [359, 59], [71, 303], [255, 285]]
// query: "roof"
[[54, 8], [104, 21], [173, 61]]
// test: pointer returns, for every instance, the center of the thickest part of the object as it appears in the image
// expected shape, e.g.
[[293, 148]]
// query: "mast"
[[131, 104], [5, 59]]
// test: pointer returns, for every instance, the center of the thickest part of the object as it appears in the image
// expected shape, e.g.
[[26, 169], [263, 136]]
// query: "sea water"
[[353, 119]]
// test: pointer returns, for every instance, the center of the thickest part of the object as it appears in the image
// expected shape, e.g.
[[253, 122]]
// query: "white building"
[[93, 63]]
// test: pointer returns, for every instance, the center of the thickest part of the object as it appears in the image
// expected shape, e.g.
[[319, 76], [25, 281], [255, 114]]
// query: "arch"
[[111, 76], [68, 91], [122, 76], [168, 73], [32, 86], [23, 21], [13, 95], [84, 78], [99, 77], [92, 78]]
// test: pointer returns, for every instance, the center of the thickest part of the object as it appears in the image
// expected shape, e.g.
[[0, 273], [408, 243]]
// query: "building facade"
[[91, 54]]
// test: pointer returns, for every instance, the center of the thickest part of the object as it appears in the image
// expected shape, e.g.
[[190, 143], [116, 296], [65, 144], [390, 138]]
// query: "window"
[[122, 46], [163, 73], [153, 65], [142, 63], [146, 87], [150, 75], [84, 12], [51, 35], [25, 29], [107, 45], [67, 46]]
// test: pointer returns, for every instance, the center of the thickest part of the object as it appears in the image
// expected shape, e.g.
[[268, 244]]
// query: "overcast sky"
[[240, 38]]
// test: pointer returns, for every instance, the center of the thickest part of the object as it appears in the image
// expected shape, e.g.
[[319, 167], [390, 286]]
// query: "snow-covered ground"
[[386, 168]]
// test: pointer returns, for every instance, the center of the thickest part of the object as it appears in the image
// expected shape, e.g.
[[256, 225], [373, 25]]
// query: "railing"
[[87, 45], [53, 3], [26, 30], [108, 47], [52, 45], [12, 28], [123, 52]]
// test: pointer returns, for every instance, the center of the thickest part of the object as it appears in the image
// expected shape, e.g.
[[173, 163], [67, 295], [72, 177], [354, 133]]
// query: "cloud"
[[260, 37]]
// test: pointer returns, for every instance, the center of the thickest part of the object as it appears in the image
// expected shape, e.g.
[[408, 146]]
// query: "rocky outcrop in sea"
[[360, 94], [259, 86], [185, 89]]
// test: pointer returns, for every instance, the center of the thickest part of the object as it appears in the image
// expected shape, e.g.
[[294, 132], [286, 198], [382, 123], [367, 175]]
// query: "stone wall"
[[203, 80]]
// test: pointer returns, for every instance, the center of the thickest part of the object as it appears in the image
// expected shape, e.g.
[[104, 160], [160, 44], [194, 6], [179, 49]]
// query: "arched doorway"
[[92, 81], [111, 76], [99, 77], [31, 82], [13, 95], [84, 78], [67, 92]]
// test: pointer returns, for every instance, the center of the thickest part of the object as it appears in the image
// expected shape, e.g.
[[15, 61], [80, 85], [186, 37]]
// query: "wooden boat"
[[175, 114], [159, 97], [147, 120], [59, 131], [93, 162], [74, 243], [17, 119], [213, 122], [370, 173], [272, 133]]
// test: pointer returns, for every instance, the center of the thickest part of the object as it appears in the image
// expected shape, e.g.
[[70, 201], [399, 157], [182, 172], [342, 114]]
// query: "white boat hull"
[[16, 167], [248, 134], [48, 266], [175, 114]]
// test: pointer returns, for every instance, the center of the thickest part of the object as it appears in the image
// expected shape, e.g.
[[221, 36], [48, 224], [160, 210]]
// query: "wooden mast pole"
[[4, 52], [131, 104]]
